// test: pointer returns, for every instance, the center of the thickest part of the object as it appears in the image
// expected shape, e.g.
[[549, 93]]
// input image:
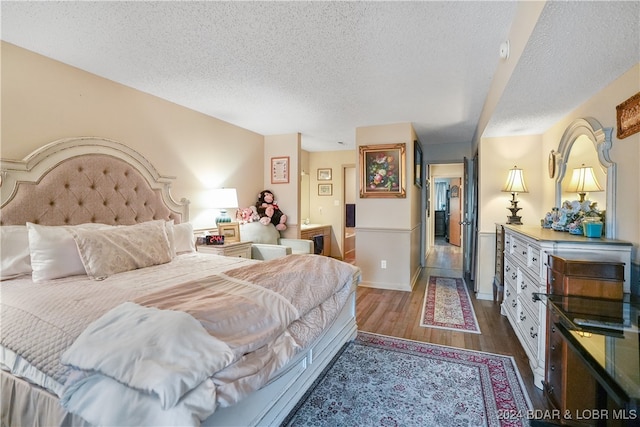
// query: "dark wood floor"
[[397, 313]]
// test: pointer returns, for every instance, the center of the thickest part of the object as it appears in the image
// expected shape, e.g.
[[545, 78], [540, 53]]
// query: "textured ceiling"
[[325, 68]]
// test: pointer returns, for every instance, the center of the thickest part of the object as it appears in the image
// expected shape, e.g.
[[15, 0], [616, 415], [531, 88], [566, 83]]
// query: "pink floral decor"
[[245, 215]]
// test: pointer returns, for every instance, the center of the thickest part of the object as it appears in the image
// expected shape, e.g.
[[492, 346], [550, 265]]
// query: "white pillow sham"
[[15, 259], [110, 251], [184, 238], [53, 251], [181, 238]]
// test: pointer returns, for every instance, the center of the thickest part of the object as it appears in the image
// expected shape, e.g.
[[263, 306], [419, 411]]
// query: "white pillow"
[[14, 251], [110, 251], [183, 238], [172, 244], [54, 253]]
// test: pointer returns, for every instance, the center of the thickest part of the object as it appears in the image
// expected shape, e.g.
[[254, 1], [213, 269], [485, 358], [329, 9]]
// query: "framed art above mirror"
[[585, 143]]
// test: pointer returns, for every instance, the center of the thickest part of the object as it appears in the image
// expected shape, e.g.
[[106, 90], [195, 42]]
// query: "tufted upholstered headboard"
[[81, 180]]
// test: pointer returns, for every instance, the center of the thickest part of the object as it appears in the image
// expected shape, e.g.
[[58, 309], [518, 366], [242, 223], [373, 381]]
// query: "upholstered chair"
[[267, 243]]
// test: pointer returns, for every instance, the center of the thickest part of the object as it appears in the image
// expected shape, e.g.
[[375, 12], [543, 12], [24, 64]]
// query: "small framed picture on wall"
[[280, 170], [325, 189], [324, 174]]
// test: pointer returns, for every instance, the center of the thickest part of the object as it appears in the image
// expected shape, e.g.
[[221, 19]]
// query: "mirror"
[[586, 142]]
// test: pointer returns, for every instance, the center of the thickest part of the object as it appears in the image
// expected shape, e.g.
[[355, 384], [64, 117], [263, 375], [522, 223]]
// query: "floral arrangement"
[[245, 215], [382, 173], [570, 216]]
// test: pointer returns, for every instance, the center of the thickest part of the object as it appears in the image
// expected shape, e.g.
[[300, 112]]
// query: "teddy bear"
[[269, 211]]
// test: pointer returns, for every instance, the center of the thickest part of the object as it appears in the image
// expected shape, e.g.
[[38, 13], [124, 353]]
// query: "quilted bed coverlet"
[[249, 322]]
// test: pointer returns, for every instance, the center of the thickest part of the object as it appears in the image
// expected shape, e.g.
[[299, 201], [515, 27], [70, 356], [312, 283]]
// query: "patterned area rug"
[[384, 381], [447, 306]]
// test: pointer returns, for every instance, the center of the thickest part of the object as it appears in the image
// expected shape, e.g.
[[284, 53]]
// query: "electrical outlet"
[[383, 263]]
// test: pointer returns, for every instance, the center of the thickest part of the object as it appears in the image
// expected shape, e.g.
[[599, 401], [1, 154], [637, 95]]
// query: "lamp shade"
[[583, 180], [515, 182], [224, 198]]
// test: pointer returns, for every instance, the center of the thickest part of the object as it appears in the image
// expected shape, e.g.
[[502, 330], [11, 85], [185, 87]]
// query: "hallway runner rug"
[[447, 305], [383, 381]]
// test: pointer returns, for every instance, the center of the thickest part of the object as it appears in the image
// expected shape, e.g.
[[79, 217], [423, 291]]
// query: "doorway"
[[446, 179], [448, 211]]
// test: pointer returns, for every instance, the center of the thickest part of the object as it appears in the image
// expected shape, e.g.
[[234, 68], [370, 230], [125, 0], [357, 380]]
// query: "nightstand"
[[235, 249]]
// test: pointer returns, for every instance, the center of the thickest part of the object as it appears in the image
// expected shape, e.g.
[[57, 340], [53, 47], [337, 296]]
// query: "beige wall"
[[530, 153], [44, 100], [287, 195], [329, 210], [389, 229]]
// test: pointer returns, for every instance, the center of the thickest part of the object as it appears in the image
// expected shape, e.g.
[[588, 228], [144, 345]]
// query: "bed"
[[110, 316]]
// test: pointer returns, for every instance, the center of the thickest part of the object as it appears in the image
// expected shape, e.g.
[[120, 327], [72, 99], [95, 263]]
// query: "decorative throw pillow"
[[107, 252], [53, 251], [14, 248]]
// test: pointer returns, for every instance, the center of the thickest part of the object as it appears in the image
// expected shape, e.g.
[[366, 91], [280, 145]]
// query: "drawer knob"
[[522, 316], [553, 328], [553, 348], [514, 275], [507, 268], [514, 303], [532, 333], [534, 259], [553, 367], [523, 286], [524, 252]]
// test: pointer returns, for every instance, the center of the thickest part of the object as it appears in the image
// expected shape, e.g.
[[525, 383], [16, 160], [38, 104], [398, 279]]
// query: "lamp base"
[[514, 219], [224, 218]]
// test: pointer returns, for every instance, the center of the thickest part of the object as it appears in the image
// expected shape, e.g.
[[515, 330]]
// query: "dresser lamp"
[[514, 185], [583, 181], [223, 199]]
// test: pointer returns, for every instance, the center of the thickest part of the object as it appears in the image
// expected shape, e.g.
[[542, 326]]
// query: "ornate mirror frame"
[[601, 139]]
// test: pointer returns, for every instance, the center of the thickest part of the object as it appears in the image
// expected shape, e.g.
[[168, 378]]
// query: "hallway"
[[397, 313]]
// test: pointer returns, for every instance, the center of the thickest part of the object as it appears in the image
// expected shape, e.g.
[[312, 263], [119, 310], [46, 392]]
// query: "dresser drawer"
[[510, 272], [554, 388], [527, 286], [533, 261], [529, 328], [518, 250], [510, 302], [586, 278]]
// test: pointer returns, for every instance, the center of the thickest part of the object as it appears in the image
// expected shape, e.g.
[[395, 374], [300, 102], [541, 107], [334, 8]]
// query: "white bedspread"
[[218, 362]]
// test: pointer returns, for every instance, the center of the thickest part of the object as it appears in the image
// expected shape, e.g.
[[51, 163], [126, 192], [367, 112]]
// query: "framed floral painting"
[[628, 116], [382, 170]]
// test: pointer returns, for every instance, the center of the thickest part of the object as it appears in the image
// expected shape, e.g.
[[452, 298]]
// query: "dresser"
[[593, 367], [314, 232], [526, 253], [440, 224], [568, 384]]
